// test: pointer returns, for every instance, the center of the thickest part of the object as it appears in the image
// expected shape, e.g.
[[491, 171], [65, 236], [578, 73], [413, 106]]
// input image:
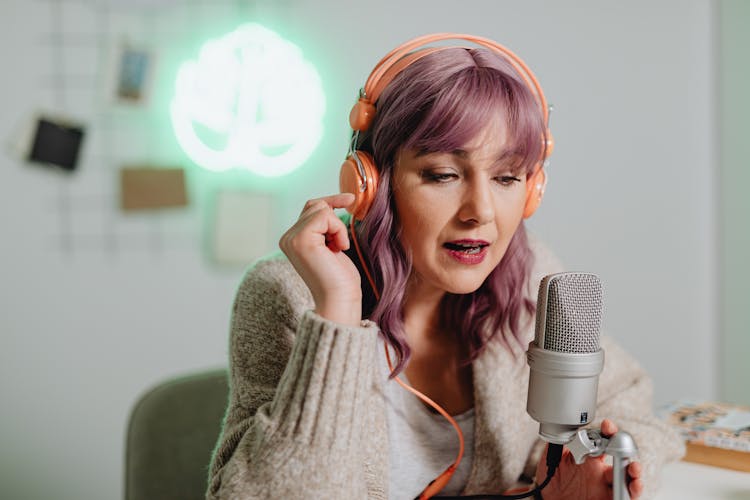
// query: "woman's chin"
[[464, 287]]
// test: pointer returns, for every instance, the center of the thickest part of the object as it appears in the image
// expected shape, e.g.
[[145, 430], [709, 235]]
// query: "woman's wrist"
[[343, 311]]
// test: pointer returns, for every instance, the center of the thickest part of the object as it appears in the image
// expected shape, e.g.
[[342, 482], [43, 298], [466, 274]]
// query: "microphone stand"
[[621, 447]]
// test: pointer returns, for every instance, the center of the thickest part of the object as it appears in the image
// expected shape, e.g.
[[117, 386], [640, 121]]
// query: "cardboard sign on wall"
[[144, 188]]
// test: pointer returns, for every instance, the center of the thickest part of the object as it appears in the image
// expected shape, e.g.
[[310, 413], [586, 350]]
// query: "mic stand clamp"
[[621, 447]]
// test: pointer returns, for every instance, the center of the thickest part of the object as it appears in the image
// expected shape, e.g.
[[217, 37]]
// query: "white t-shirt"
[[422, 443]]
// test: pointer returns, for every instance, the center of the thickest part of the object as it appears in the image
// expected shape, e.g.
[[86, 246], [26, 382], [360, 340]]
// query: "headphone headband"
[[400, 57]]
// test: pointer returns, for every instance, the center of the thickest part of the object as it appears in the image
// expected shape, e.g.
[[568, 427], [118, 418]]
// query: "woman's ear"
[[536, 183]]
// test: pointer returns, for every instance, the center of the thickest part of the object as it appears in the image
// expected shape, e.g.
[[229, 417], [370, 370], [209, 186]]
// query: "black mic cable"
[[554, 455]]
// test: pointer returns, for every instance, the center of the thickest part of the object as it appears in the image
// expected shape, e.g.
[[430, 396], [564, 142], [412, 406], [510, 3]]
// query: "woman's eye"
[[438, 176], [507, 180]]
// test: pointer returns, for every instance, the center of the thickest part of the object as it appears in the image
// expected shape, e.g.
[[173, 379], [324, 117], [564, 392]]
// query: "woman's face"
[[458, 210]]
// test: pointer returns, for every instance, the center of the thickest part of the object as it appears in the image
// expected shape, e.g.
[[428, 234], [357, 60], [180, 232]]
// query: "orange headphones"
[[359, 174]]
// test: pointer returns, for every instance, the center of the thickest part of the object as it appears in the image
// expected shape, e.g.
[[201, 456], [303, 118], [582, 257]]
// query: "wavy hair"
[[438, 104]]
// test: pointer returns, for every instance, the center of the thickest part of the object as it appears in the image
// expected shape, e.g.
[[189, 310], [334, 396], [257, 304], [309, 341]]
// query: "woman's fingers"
[[342, 200], [635, 488], [339, 200], [338, 234], [634, 481], [608, 427], [635, 469], [334, 231], [317, 220], [332, 227]]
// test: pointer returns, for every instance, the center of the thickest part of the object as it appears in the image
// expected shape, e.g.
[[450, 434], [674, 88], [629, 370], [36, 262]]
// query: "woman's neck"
[[421, 310], [437, 366]]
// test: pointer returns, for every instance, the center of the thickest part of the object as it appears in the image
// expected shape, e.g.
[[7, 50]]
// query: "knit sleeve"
[[297, 395], [625, 396]]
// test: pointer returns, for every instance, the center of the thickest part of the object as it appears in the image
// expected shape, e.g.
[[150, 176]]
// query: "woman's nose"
[[477, 206]]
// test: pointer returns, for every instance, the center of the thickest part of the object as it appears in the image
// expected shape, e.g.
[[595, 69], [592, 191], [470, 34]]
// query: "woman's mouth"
[[467, 251]]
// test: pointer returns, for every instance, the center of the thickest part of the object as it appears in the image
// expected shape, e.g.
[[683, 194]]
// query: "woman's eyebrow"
[[464, 154], [509, 153], [461, 153]]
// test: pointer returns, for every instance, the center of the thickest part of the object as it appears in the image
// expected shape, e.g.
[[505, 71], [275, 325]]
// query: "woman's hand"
[[592, 480], [314, 246]]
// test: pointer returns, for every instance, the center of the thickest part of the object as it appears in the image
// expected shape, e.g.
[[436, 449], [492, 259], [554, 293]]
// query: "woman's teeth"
[[467, 249]]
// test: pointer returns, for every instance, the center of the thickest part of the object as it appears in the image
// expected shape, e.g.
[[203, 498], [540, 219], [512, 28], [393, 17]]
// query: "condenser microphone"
[[564, 358]]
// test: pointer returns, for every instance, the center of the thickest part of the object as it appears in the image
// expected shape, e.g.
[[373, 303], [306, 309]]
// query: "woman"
[[446, 277]]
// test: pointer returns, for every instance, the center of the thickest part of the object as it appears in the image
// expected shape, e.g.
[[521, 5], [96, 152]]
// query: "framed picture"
[[134, 68], [242, 226], [56, 142]]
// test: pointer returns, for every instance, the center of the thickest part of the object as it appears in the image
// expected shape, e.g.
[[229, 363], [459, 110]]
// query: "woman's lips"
[[467, 251]]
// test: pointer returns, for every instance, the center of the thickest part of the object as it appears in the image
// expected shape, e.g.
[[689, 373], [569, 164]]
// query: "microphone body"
[[564, 358]]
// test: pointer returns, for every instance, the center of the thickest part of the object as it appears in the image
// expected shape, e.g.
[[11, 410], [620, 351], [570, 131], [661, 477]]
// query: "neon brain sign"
[[250, 100]]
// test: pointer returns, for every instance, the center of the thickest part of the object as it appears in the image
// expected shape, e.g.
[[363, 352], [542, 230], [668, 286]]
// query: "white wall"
[[96, 306], [733, 200]]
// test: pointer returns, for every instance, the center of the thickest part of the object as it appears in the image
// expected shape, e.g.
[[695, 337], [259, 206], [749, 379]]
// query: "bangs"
[[472, 99]]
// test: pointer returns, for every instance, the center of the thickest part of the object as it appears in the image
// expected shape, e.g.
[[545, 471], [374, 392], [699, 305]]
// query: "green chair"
[[172, 431]]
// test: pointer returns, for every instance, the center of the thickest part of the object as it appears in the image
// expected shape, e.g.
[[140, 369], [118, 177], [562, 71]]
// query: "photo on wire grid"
[[56, 142], [134, 70]]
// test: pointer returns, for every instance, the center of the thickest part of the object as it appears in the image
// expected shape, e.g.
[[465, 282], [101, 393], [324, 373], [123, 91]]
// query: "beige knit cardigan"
[[306, 416]]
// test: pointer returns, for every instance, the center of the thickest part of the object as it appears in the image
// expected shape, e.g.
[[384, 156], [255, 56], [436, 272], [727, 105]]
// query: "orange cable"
[[362, 260], [438, 483]]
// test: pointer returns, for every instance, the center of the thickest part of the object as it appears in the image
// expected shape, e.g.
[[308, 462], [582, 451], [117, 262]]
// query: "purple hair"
[[437, 104]]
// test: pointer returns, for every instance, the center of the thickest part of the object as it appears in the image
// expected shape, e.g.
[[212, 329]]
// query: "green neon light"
[[251, 101]]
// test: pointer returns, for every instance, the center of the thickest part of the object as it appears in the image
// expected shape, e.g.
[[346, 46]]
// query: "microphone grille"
[[569, 313]]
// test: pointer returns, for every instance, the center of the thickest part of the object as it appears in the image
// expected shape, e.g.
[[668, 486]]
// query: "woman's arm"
[[298, 393]]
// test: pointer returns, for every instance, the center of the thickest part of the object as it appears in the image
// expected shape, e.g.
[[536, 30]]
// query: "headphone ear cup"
[[534, 192], [350, 181], [549, 145]]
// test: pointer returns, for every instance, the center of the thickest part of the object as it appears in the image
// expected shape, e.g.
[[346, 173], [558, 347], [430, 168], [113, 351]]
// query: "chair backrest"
[[172, 431]]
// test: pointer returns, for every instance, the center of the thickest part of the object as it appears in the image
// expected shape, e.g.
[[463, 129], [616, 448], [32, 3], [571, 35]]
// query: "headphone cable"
[[439, 482], [554, 451]]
